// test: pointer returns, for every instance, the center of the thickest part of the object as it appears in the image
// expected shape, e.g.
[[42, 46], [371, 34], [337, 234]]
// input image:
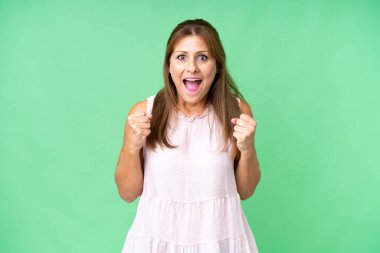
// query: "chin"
[[194, 99]]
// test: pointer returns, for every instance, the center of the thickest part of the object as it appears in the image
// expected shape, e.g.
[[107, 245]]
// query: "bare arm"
[[129, 176], [247, 171]]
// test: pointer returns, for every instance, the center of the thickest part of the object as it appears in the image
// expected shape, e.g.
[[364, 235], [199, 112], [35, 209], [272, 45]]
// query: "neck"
[[192, 109]]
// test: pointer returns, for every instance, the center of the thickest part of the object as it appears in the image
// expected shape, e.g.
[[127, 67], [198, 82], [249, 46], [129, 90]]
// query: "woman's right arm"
[[129, 176]]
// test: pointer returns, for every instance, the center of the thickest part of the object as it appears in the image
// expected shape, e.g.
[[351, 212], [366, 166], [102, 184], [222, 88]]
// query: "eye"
[[203, 57], [180, 57]]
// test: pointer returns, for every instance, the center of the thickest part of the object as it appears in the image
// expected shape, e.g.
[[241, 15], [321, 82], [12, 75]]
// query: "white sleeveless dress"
[[189, 202]]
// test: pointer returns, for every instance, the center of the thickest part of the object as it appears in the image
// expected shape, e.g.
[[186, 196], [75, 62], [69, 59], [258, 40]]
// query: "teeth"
[[192, 79]]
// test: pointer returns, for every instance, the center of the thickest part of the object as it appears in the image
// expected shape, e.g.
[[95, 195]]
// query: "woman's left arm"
[[247, 172]]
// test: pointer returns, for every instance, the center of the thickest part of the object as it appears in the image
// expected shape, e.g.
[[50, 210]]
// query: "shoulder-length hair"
[[222, 94]]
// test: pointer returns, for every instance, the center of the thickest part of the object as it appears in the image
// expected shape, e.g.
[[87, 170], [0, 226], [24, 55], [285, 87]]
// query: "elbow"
[[244, 195], [128, 197], [247, 195]]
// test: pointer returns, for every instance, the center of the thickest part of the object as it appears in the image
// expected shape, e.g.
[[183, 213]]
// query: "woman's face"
[[192, 69]]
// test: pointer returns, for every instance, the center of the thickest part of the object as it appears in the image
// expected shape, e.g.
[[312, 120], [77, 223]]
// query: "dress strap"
[[149, 104], [238, 99]]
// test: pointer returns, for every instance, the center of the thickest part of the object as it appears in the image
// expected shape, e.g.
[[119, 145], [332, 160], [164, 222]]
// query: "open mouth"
[[192, 84]]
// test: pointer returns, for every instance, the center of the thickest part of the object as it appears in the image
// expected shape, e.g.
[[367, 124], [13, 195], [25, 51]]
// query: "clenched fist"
[[137, 128], [244, 132]]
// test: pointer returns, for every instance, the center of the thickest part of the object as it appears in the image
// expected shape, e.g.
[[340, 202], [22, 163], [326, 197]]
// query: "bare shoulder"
[[138, 107], [245, 108]]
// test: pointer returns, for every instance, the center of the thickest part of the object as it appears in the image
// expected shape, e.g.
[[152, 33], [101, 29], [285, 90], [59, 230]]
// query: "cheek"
[[210, 72], [175, 68], [176, 73]]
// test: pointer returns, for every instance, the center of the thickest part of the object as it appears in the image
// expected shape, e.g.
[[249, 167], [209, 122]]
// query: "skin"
[[247, 172], [193, 60], [129, 176], [191, 57]]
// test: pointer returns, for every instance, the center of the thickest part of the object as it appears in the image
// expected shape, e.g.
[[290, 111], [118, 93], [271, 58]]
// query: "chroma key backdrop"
[[71, 70]]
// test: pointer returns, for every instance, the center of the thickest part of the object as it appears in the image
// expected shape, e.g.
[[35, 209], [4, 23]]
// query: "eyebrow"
[[186, 51]]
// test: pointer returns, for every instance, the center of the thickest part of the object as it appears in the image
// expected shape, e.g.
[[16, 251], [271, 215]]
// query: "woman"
[[189, 153]]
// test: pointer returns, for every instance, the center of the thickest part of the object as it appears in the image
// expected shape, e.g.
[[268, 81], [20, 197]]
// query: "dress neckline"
[[191, 118]]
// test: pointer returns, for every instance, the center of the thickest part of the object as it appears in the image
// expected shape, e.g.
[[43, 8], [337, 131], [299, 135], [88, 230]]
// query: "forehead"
[[191, 43]]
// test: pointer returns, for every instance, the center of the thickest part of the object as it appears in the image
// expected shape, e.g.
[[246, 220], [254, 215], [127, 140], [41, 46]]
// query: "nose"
[[192, 66]]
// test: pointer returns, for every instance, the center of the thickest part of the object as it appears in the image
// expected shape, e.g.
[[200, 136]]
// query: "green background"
[[71, 70]]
